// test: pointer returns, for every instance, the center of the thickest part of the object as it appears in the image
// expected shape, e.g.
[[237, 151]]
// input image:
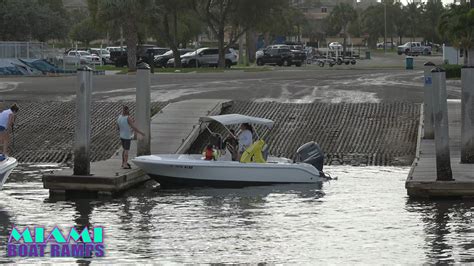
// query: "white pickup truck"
[[81, 58], [414, 48]]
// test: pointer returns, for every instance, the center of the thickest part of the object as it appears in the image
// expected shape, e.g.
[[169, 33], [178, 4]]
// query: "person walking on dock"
[[7, 118], [125, 125]]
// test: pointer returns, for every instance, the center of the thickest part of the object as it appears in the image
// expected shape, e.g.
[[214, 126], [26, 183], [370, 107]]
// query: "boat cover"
[[234, 119]]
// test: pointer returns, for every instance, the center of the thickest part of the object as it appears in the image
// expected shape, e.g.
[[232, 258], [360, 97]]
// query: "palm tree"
[[457, 26], [340, 18], [130, 15]]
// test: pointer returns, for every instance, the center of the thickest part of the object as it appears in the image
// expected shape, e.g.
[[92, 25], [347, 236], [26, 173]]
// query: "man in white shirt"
[[7, 118]]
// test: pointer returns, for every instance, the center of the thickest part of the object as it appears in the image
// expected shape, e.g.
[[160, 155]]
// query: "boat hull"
[[6, 167], [185, 170]]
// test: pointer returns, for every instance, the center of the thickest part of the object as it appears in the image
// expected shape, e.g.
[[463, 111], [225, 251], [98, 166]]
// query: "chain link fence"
[[25, 50]]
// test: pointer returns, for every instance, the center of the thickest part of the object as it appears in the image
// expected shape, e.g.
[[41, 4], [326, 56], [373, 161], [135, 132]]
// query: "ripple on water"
[[363, 217]]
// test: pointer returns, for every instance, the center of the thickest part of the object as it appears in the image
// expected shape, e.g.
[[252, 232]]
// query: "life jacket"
[[209, 154], [253, 154]]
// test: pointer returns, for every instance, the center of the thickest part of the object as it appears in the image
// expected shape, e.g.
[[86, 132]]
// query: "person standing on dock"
[[125, 125], [7, 118]]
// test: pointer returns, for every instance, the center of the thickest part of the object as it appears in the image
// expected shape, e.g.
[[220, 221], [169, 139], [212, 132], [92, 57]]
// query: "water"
[[363, 217]]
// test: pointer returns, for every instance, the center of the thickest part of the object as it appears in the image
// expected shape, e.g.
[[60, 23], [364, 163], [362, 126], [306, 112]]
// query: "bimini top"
[[234, 119]]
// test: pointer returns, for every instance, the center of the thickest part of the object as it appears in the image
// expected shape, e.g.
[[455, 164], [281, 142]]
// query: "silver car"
[[208, 57]]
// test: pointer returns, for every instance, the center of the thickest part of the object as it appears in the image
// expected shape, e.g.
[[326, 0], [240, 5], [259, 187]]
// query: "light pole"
[[385, 26]]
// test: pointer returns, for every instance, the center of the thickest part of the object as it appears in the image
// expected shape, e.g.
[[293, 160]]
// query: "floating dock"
[[421, 181], [173, 130]]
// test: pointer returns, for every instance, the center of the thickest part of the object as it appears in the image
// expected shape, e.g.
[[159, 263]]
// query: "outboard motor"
[[311, 153]]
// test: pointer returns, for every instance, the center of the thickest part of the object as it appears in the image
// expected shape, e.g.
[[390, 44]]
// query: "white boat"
[[6, 167], [172, 170]]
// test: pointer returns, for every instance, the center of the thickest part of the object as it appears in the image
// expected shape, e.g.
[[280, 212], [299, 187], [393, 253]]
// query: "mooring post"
[[428, 101], [83, 122], [143, 111], [441, 126], [467, 114]]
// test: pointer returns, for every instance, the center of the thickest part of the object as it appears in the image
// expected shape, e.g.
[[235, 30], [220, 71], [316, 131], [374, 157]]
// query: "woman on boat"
[[125, 125], [245, 137], [7, 118]]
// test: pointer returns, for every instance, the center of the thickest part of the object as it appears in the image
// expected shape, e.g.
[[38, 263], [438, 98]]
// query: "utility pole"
[[385, 26]]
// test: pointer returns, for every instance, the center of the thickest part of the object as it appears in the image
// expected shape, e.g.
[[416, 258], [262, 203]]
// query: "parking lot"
[[381, 79]]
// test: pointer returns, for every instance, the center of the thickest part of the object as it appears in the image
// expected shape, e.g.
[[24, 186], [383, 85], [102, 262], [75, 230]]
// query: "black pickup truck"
[[144, 53], [281, 57]]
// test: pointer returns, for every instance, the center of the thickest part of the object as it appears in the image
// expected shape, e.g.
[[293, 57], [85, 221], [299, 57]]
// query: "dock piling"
[[82, 138], [428, 101], [441, 126], [467, 114], [143, 112]]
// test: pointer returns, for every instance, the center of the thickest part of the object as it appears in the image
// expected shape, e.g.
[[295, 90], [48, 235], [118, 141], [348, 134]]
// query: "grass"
[[110, 68], [212, 69]]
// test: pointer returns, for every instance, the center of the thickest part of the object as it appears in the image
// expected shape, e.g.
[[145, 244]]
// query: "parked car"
[[206, 57], [80, 58], [260, 52], [102, 53], [413, 48], [279, 56], [335, 46], [162, 60], [388, 45], [115, 48], [299, 54], [434, 46], [144, 52]]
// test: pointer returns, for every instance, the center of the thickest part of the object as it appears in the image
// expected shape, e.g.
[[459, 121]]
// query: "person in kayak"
[[125, 125], [7, 118]]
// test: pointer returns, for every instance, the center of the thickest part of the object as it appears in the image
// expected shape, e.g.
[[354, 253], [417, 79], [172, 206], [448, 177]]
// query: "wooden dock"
[[173, 130], [421, 181]]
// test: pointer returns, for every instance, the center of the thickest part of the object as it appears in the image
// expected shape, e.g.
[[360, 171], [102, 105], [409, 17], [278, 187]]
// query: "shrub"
[[452, 71]]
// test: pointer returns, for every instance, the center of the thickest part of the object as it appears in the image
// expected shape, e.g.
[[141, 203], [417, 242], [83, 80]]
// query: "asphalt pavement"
[[370, 81]]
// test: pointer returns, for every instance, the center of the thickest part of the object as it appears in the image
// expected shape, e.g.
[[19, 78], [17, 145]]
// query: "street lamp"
[[385, 26]]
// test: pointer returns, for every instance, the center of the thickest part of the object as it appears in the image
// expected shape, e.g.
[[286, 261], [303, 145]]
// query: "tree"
[[176, 23], [412, 13], [373, 23], [22, 20], [400, 24], [340, 18], [132, 16], [457, 26], [232, 18], [432, 12], [85, 32]]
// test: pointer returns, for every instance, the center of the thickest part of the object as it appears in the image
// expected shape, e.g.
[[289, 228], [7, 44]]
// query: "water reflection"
[[5, 227], [449, 229], [363, 217]]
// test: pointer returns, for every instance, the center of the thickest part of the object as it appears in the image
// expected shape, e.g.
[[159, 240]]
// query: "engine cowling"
[[311, 153]]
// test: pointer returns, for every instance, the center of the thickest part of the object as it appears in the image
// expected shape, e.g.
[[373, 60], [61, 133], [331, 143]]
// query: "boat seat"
[[253, 154]]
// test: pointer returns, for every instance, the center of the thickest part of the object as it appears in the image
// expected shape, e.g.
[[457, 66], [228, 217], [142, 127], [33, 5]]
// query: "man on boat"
[[125, 125], [7, 118]]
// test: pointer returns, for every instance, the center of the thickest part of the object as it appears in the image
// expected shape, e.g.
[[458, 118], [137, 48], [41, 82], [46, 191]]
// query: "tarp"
[[28, 67], [234, 119]]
